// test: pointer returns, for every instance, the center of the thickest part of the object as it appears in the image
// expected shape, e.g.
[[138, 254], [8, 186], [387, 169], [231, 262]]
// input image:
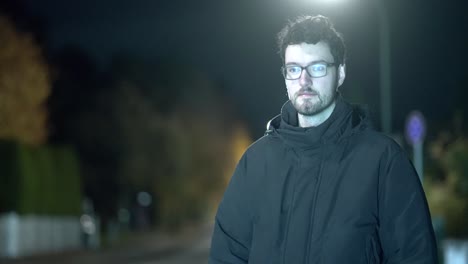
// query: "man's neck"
[[317, 119]]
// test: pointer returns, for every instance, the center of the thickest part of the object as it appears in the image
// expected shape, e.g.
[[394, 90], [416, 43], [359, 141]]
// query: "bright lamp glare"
[[323, 2]]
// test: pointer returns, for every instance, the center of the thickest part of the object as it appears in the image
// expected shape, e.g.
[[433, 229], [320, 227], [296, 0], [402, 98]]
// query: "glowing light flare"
[[87, 224], [144, 199], [321, 2]]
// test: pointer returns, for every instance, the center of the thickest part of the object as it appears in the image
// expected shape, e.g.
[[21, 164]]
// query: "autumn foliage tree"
[[24, 86], [178, 139], [446, 184], [446, 178]]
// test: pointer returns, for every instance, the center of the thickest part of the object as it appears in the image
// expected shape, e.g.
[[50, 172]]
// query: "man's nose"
[[305, 78]]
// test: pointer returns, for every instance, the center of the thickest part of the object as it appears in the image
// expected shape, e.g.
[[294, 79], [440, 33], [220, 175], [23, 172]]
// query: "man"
[[322, 186]]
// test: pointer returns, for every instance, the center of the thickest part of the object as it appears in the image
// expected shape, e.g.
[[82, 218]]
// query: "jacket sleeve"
[[231, 238], [406, 232]]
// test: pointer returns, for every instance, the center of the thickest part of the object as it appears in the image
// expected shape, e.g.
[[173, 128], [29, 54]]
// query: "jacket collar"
[[340, 123]]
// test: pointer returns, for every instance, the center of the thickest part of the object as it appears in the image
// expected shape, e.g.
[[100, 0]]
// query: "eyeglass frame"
[[327, 64]]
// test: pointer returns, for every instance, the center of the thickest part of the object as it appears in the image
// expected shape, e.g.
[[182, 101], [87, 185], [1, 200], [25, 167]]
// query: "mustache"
[[306, 90]]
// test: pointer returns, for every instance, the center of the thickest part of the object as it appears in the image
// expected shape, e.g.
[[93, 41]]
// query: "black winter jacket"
[[336, 193]]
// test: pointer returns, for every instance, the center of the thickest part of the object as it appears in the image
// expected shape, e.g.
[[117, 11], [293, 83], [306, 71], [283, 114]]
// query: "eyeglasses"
[[317, 69]]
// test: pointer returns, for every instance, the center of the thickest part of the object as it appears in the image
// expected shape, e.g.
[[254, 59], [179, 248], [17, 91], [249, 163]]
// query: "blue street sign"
[[415, 129]]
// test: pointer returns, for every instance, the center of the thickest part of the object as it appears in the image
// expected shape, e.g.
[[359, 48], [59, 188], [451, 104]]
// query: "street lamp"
[[385, 69]]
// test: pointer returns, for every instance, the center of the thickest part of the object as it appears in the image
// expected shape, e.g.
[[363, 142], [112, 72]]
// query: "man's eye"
[[318, 67], [294, 69]]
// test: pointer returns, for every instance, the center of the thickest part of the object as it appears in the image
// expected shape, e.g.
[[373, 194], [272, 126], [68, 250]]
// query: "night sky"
[[234, 42]]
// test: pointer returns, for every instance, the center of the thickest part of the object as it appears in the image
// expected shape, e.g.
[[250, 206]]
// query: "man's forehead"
[[306, 53]]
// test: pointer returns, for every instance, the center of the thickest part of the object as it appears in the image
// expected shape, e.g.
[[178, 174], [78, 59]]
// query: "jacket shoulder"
[[375, 142], [267, 142]]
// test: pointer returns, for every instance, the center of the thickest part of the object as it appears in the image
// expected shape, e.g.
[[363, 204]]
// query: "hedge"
[[39, 180]]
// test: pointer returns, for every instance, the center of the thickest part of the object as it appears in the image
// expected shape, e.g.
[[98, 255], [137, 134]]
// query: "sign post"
[[415, 131]]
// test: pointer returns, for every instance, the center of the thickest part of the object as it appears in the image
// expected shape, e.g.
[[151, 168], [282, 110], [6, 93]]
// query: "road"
[[195, 253], [191, 248]]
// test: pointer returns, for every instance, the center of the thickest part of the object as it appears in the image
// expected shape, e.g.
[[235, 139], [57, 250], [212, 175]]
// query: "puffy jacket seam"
[[227, 232], [385, 174]]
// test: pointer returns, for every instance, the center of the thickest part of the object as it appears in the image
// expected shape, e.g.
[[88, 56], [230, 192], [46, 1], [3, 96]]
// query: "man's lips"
[[307, 94]]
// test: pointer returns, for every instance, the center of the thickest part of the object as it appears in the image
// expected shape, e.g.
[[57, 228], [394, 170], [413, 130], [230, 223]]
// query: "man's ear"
[[341, 74]]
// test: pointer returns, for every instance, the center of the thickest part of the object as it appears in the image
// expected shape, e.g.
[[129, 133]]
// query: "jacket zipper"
[[286, 232], [312, 214]]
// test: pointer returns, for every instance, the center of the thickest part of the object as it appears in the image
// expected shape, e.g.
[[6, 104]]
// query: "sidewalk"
[[139, 248]]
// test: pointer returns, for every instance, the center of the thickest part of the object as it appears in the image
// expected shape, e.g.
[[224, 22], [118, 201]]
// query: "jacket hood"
[[344, 120]]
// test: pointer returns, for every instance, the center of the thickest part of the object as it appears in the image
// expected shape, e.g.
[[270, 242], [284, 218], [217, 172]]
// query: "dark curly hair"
[[312, 29]]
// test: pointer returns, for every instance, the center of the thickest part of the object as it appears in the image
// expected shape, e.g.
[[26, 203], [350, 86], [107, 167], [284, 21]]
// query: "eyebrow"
[[312, 62]]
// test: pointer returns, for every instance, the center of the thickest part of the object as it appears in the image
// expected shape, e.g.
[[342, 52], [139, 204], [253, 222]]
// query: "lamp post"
[[385, 69]]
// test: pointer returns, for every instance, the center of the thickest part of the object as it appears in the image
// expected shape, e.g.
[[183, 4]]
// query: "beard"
[[309, 106]]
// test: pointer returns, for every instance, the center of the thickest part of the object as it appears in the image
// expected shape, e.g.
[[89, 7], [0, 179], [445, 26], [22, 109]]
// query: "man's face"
[[311, 95]]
